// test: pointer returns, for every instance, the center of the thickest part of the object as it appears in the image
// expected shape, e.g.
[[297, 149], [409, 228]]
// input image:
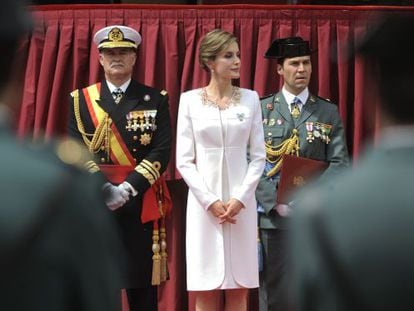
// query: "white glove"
[[283, 210], [115, 196], [128, 187]]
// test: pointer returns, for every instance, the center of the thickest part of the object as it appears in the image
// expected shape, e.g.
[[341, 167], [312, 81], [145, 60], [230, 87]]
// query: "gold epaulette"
[[163, 92], [274, 153]]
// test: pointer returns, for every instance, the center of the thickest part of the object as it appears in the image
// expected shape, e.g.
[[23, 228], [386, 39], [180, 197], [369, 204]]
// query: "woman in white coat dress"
[[221, 156]]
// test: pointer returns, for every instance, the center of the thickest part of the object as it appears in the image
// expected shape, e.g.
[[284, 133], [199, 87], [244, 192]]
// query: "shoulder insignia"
[[325, 99], [163, 92]]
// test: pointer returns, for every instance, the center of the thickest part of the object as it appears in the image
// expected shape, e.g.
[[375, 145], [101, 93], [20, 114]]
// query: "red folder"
[[295, 173]]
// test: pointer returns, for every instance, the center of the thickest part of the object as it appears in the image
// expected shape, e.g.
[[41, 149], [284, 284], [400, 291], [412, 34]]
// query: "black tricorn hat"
[[288, 48]]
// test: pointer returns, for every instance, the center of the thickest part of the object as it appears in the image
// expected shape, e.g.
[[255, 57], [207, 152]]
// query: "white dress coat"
[[220, 155]]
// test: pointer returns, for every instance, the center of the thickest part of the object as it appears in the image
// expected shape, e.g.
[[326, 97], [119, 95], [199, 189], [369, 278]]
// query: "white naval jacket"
[[202, 152]]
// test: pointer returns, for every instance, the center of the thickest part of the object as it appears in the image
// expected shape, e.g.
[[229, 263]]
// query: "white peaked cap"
[[117, 36]]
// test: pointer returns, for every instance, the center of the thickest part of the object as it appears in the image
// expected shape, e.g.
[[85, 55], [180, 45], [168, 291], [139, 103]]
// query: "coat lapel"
[[307, 110], [128, 102], [282, 107], [106, 101]]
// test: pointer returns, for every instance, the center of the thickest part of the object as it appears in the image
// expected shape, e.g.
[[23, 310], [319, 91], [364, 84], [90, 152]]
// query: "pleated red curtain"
[[60, 57]]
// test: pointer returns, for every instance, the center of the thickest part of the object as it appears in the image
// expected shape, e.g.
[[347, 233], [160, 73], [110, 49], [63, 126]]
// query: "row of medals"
[[318, 130], [142, 119]]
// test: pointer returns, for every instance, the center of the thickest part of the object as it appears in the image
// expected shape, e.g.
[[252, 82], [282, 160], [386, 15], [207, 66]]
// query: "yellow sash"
[[119, 152]]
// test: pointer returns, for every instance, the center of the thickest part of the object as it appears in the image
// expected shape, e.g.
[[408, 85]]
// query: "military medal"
[[279, 121], [326, 130], [145, 139], [128, 127], [309, 134], [152, 114], [147, 119], [269, 138], [272, 122]]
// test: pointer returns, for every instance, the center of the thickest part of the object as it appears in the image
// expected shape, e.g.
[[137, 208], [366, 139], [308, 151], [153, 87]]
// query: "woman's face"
[[226, 65]]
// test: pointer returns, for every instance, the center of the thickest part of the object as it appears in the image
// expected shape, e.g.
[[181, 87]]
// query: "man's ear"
[[280, 69], [135, 58], [101, 59]]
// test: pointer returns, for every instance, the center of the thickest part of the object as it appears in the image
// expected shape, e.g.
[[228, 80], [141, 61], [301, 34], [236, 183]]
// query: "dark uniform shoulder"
[[267, 97], [152, 92], [321, 99]]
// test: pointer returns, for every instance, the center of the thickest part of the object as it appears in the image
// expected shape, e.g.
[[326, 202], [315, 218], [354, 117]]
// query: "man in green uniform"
[[57, 240], [313, 128], [353, 239], [127, 126]]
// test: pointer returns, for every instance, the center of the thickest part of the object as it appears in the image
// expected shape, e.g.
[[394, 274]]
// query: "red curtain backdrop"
[[60, 56]]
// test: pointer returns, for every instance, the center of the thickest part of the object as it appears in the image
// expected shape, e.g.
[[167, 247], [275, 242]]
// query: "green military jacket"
[[58, 243], [321, 137], [352, 244]]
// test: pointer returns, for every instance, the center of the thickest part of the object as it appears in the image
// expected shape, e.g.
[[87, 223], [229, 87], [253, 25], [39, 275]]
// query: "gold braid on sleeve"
[[100, 137], [274, 153]]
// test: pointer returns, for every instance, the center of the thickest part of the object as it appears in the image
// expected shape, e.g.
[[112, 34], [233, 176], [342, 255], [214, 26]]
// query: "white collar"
[[303, 96], [123, 87]]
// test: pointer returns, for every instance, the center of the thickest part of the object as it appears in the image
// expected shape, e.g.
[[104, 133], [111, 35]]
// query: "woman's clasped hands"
[[226, 212]]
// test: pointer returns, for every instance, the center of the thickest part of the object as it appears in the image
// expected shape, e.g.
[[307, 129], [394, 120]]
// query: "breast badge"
[[145, 139], [240, 116]]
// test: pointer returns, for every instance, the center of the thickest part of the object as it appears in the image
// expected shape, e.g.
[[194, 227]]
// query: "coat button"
[[102, 160], [134, 150], [135, 138]]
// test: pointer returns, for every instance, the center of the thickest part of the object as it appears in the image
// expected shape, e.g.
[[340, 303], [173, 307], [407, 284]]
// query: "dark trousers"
[[273, 291], [142, 299]]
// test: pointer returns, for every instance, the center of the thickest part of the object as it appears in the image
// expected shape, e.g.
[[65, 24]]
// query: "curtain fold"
[[61, 57]]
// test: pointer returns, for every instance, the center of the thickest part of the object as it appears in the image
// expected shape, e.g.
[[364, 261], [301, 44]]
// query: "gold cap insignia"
[[116, 34]]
